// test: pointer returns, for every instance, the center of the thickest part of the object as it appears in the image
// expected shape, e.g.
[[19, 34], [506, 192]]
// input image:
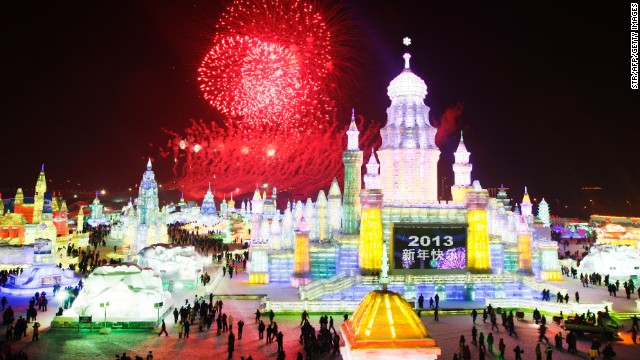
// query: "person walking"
[[538, 352], [437, 298], [187, 329], [474, 315], [474, 336], [180, 330], [502, 348], [518, 352], [577, 297], [261, 328], [435, 314], [494, 322], [231, 344], [163, 329], [634, 335], [36, 331], [175, 315], [490, 342], [150, 355], [240, 326], [279, 340], [420, 302]]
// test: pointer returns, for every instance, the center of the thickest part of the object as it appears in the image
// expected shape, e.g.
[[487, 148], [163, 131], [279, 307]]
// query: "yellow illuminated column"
[[524, 252], [370, 247], [478, 241], [301, 266]]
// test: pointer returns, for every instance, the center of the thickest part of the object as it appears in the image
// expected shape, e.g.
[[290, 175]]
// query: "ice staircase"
[[323, 287]]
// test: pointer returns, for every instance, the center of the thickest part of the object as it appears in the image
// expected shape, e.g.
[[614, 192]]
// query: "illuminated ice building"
[[472, 247], [22, 219], [142, 224], [202, 218]]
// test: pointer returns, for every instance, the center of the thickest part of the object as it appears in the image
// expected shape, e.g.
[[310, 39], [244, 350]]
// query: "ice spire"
[[353, 133], [149, 164]]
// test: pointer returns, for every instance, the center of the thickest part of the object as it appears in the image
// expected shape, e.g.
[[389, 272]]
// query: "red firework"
[[271, 63], [274, 70]]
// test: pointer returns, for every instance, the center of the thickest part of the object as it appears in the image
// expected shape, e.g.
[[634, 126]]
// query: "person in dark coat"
[[231, 344], [240, 326]]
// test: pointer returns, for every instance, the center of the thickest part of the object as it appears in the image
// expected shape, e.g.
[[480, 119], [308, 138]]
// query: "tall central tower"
[[38, 198], [408, 155], [352, 159]]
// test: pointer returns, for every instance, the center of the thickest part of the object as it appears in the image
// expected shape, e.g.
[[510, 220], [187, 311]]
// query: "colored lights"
[[478, 242]]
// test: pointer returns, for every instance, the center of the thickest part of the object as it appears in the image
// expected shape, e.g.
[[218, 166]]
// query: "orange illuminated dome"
[[385, 326]]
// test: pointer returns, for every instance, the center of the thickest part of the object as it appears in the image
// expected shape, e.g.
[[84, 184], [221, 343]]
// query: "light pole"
[[591, 201], [629, 207], [105, 305], [158, 305]]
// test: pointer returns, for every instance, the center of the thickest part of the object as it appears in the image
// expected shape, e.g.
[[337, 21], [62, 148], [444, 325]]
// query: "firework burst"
[[271, 62]]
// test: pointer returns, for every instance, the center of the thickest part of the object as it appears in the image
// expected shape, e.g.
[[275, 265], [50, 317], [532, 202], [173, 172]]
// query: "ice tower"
[[352, 159], [462, 172], [335, 206], [208, 203], [148, 198], [38, 198]]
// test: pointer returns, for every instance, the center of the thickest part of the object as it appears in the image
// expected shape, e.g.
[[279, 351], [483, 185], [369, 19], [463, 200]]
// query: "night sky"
[[88, 86]]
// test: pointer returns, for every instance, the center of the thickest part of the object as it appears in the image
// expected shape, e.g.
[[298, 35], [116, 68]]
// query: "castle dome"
[[407, 83]]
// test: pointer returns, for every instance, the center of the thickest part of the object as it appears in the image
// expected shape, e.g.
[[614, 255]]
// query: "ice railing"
[[549, 306], [441, 279], [310, 306], [317, 289]]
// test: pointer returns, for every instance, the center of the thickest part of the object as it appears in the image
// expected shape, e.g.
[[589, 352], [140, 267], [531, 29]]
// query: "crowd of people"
[[4, 274], [16, 329], [544, 345]]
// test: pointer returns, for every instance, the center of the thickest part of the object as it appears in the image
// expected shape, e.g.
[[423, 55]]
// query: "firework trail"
[[207, 152]]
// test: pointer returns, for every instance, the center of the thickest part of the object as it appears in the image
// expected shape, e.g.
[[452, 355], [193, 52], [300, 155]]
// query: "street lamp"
[[591, 201], [105, 305], [158, 305]]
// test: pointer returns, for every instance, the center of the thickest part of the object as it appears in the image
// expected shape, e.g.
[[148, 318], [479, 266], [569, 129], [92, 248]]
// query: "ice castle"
[[473, 246], [142, 223]]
